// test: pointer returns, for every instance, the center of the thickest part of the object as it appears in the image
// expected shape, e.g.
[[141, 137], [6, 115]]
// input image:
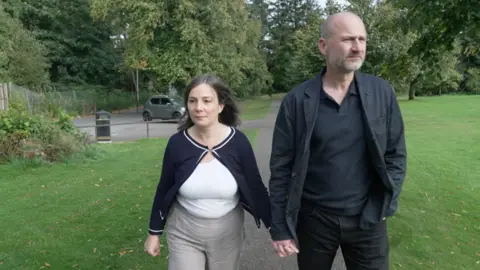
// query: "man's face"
[[345, 49]]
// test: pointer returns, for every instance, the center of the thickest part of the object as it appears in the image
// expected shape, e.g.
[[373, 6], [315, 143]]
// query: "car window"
[[155, 101], [165, 101]]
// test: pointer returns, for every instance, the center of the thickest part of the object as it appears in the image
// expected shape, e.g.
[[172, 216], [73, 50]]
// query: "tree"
[[80, 51], [181, 39], [22, 57], [442, 22]]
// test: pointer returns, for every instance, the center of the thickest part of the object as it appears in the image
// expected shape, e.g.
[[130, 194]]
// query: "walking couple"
[[337, 166]]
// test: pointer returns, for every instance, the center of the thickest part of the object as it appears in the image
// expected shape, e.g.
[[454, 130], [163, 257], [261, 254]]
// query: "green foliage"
[[36, 137], [22, 57], [473, 80], [443, 23], [79, 50], [305, 59], [181, 39]]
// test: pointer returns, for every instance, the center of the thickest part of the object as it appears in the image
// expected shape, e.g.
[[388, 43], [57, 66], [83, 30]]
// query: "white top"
[[210, 191]]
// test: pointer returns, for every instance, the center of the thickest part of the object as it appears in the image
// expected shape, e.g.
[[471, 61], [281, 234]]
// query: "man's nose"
[[356, 45]]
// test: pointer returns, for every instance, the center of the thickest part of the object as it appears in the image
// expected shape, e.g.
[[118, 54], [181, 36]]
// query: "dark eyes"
[[205, 101]]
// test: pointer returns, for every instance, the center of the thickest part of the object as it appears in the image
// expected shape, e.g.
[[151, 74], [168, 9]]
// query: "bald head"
[[334, 21], [343, 42]]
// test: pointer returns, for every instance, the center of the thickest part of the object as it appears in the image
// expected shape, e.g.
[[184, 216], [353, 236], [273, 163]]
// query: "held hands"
[[285, 248], [152, 245]]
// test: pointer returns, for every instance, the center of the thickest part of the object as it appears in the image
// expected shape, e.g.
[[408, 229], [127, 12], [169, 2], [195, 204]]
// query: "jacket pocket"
[[379, 127]]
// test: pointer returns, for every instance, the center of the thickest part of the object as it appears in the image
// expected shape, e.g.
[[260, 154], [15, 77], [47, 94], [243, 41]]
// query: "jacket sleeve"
[[259, 190], [281, 163], [157, 218], [396, 152]]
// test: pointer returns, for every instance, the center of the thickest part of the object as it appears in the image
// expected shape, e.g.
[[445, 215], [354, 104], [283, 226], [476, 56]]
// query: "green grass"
[[438, 222], [258, 107], [94, 214], [90, 214]]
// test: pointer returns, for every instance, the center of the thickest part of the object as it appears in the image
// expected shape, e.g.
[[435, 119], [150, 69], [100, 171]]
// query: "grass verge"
[[257, 107], [438, 222]]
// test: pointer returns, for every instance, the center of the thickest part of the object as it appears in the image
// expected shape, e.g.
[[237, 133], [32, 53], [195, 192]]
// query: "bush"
[[33, 137]]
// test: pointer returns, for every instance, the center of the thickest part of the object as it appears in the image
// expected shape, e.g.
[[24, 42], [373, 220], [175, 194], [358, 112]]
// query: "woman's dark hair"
[[230, 113]]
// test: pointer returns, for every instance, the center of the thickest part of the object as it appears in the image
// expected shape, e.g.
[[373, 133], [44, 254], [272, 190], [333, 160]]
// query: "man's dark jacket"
[[291, 150]]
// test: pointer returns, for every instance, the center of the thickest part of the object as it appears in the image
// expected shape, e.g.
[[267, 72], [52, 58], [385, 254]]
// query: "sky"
[[322, 2]]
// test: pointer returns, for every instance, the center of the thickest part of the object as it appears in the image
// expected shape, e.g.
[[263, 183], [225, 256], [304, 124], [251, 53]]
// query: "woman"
[[209, 176]]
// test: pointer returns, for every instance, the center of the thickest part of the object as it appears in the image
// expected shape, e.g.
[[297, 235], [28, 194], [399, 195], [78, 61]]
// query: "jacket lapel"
[[310, 103]]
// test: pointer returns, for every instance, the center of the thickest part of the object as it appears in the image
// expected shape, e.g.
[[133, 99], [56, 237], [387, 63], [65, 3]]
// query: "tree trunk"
[[411, 89], [411, 93]]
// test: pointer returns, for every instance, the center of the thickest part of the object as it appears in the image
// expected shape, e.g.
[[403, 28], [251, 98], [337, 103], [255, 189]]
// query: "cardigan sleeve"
[[157, 218], [252, 174]]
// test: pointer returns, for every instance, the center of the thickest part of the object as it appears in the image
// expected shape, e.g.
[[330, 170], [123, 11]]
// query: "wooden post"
[[28, 102], [2, 97]]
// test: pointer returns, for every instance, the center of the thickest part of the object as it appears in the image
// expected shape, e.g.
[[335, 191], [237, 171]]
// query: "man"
[[338, 158]]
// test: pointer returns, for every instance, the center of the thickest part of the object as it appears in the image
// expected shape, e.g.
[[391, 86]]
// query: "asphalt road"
[[258, 253], [129, 126]]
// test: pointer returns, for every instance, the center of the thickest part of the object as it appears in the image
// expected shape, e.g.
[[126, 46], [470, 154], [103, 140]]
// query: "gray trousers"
[[200, 244]]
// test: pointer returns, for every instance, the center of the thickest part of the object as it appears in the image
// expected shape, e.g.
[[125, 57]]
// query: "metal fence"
[[36, 103], [82, 102]]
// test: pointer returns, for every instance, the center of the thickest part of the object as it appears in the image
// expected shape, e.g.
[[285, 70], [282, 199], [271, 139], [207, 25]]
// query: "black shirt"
[[339, 170]]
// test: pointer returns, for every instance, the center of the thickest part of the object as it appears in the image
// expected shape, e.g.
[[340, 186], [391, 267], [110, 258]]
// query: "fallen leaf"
[[1, 262], [47, 264], [95, 250], [75, 265], [123, 253], [108, 199], [131, 250], [138, 205], [97, 185], [108, 266]]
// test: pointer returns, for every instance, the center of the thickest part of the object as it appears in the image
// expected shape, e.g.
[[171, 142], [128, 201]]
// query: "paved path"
[[258, 253], [130, 126]]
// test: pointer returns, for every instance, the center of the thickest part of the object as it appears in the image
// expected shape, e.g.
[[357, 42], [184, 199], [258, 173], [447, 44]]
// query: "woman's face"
[[203, 105]]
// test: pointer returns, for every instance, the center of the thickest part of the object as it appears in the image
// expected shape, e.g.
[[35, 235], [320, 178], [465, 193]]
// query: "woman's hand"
[[152, 245]]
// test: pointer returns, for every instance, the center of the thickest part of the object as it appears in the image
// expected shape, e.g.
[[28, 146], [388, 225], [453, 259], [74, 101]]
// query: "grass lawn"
[[82, 215], [94, 214], [258, 107], [438, 222]]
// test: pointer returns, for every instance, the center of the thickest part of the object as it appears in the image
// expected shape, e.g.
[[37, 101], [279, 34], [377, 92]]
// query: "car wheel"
[[176, 115], [147, 117]]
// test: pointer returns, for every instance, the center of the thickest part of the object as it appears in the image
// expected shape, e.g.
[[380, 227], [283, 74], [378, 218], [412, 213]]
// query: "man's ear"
[[322, 46]]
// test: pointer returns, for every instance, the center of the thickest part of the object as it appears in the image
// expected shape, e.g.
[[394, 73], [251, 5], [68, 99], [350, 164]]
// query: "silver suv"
[[163, 107]]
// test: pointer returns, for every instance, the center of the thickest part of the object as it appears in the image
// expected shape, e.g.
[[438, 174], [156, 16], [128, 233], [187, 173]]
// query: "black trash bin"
[[102, 129]]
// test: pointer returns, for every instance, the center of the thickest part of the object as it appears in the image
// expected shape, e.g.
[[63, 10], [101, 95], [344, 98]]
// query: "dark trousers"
[[321, 233]]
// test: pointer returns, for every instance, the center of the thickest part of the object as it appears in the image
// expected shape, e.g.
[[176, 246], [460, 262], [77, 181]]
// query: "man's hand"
[[152, 245], [285, 247]]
